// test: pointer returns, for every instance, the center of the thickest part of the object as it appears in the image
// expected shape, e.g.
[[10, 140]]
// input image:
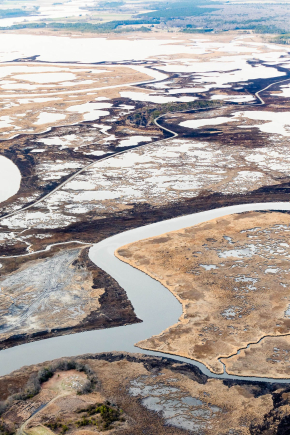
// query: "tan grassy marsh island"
[[230, 274]]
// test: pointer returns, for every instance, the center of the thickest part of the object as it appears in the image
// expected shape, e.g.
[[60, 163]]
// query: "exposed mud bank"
[[101, 304]]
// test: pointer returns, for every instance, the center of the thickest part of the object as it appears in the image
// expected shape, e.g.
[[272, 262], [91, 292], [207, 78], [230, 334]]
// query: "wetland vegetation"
[[79, 119]]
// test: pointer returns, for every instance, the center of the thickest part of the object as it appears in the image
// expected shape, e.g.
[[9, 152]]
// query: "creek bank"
[[101, 302]]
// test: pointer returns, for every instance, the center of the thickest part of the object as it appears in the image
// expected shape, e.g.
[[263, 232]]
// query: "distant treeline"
[[268, 29], [282, 39], [259, 28], [104, 5], [177, 10], [84, 27], [14, 13], [112, 4], [190, 29]]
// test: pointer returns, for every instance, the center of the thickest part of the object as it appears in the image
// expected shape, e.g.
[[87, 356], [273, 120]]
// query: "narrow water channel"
[[153, 303]]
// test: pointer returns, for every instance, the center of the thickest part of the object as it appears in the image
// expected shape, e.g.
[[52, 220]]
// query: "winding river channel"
[[153, 303]]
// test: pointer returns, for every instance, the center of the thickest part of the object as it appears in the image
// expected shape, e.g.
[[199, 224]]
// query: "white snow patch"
[[47, 118], [134, 140], [10, 178], [197, 123]]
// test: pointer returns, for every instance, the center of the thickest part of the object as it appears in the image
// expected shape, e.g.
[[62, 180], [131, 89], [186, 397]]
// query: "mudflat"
[[58, 292]]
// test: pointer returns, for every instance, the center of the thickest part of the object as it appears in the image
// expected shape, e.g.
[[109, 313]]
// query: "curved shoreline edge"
[[152, 302]]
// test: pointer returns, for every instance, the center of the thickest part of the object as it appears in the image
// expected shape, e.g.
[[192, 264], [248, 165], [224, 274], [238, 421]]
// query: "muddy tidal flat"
[[57, 293]]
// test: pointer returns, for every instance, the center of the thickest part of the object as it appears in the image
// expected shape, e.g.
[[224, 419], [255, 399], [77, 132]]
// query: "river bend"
[[153, 303]]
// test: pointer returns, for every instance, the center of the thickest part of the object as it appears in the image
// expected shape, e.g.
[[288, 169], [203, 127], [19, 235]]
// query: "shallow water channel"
[[153, 303]]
